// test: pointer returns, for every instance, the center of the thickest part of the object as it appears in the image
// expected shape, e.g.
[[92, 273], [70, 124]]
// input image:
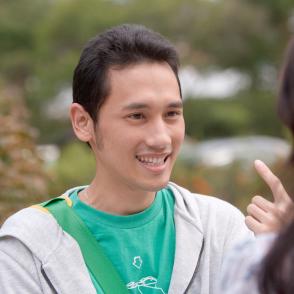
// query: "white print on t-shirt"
[[137, 262], [146, 285]]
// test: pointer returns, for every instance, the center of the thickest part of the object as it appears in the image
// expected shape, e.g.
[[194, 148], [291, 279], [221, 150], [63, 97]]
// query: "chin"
[[155, 186]]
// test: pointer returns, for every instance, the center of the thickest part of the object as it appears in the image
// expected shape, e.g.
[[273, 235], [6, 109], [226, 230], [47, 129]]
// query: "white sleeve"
[[18, 268], [237, 231], [241, 265]]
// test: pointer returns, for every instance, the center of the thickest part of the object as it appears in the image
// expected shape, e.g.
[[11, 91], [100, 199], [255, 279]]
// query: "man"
[[127, 106]]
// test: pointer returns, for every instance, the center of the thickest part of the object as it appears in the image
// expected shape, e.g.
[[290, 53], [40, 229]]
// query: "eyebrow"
[[178, 104], [137, 106]]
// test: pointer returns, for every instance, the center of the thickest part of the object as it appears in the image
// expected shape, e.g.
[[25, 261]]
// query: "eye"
[[136, 116], [173, 113]]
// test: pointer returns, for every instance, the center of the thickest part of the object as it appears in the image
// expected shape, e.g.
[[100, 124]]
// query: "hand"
[[266, 216]]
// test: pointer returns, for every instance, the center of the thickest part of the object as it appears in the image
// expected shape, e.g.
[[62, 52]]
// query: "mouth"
[[152, 160]]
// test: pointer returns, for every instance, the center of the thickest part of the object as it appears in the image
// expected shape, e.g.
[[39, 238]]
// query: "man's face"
[[140, 127]]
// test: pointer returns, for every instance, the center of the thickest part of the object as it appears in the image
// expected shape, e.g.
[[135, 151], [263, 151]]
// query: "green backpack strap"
[[97, 262]]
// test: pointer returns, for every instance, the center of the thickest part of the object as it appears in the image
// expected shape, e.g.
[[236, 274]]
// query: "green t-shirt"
[[141, 246]]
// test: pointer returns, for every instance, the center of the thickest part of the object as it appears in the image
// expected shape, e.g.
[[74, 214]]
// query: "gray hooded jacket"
[[37, 256]]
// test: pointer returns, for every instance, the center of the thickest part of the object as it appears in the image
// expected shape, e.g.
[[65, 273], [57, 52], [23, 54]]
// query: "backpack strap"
[[97, 262]]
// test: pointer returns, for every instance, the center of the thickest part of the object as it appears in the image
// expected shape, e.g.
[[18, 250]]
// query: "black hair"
[[117, 47], [276, 274], [277, 267], [286, 93]]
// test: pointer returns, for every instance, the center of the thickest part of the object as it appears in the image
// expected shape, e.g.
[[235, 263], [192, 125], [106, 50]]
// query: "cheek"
[[121, 141], [179, 133]]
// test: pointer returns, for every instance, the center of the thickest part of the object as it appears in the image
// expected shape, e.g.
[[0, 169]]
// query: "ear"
[[81, 121]]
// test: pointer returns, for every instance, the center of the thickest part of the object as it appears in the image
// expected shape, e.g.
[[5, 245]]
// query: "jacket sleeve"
[[237, 230], [19, 270]]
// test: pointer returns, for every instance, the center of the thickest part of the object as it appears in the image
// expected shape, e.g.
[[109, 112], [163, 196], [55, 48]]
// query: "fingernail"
[[258, 162]]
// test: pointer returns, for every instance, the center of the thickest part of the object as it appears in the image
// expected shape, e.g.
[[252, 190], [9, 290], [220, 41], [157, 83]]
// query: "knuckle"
[[275, 212], [276, 183], [257, 199], [248, 220], [250, 208]]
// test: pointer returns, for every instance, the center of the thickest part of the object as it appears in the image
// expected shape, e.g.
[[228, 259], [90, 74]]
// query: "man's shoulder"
[[202, 204], [35, 219], [214, 217], [35, 228]]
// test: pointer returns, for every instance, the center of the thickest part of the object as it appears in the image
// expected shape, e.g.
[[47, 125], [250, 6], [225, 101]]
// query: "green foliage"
[[249, 113], [22, 178], [213, 118], [75, 167], [41, 41], [278, 10], [18, 21], [232, 183]]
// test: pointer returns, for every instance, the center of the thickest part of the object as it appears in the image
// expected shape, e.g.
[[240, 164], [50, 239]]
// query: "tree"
[[41, 40], [22, 178]]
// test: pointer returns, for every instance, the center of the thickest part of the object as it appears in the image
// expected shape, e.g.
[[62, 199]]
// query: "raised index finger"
[[279, 192]]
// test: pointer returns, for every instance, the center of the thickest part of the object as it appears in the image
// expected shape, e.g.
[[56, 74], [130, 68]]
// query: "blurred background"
[[231, 53]]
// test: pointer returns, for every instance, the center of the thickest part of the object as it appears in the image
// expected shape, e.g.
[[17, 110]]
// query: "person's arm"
[[242, 264], [263, 215], [18, 268]]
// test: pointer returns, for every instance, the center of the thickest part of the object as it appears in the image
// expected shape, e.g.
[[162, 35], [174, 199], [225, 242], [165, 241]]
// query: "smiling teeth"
[[151, 160]]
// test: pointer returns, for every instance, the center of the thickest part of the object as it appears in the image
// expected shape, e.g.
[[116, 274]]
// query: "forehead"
[[147, 82]]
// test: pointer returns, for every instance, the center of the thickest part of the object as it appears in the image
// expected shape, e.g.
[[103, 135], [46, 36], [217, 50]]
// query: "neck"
[[115, 199]]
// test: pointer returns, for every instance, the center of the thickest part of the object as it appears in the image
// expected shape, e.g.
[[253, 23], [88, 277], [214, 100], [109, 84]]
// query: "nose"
[[158, 136]]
